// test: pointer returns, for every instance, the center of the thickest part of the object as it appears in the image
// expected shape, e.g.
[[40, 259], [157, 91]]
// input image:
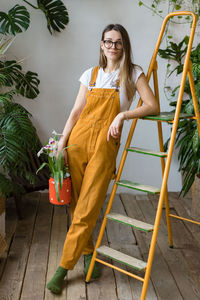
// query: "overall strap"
[[94, 76], [117, 84]]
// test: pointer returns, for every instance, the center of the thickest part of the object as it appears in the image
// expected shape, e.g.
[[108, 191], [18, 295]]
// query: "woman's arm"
[[149, 107], [73, 118]]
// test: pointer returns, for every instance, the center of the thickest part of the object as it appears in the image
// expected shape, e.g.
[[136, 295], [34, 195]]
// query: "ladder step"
[[167, 116], [147, 151], [129, 221], [122, 258], [139, 187]]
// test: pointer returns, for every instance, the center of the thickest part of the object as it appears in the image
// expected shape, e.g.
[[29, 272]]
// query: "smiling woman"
[[95, 126]]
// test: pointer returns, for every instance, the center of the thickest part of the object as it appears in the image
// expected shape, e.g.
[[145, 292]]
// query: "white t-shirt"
[[107, 81]]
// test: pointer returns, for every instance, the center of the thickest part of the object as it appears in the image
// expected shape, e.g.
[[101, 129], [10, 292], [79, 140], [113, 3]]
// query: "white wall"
[[60, 60]]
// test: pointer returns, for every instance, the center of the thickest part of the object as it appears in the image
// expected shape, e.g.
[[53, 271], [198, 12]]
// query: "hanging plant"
[[15, 21], [55, 13]]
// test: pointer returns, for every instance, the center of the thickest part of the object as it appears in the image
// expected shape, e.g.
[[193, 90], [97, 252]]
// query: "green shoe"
[[56, 283], [96, 272]]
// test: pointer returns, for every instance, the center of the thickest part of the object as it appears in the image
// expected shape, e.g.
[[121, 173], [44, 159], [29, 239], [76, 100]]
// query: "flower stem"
[[31, 4]]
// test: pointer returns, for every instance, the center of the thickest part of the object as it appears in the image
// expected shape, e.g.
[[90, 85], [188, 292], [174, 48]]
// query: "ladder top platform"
[[167, 116]]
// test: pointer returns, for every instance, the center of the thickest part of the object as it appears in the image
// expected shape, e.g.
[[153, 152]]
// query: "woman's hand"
[[64, 151], [115, 127]]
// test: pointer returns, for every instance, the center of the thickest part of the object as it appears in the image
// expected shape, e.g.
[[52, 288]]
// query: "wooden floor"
[[35, 246]]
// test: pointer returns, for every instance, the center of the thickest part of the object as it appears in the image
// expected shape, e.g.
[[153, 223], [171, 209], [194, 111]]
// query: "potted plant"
[[187, 139], [17, 134], [19, 142], [60, 181]]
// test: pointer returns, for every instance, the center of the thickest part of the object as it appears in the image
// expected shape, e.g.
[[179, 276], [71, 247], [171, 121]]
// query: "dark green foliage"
[[55, 13], [17, 135], [175, 52], [17, 20], [6, 186], [187, 139], [19, 142], [25, 84]]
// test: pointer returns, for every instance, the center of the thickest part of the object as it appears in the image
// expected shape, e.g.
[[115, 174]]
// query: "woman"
[[95, 125]]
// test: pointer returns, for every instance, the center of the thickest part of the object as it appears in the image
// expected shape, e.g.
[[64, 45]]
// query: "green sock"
[[96, 271], [55, 284]]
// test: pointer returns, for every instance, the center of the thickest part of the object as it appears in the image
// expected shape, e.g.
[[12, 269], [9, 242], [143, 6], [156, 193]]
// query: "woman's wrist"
[[62, 142], [125, 116]]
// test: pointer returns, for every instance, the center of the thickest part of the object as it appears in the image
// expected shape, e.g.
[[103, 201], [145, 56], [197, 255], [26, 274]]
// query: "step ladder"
[[165, 166]]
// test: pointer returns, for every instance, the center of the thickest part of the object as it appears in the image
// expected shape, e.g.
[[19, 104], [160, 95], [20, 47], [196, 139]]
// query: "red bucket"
[[64, 193]]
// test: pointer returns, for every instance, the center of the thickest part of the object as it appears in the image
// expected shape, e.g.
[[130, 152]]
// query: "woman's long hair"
[[126, 66]]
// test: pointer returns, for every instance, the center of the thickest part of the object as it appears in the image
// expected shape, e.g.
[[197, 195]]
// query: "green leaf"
[[6, 186], [189, 107], [5, 44], [177, 7], [56, 179], [10, 149], [17, 20], [51, 166], [61, 176], [25, 84], [55, 13], [186, 39], [196, 141], [41, 167]]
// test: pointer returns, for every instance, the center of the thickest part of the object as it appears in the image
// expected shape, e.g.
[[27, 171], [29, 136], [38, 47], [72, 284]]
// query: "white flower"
[[52, 154], [55, 133], [40, 152]]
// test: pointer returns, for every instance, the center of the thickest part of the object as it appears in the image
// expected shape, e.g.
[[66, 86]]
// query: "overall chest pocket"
[[100, 104]]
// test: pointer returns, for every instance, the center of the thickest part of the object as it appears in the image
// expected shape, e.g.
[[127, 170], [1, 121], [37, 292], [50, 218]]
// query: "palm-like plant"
[[18, 139], [18, 18], [187, 138], [17, 133], [55, 13]]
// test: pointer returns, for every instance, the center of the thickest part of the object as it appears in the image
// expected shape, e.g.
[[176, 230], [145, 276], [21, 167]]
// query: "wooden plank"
[[75, 282], [116, 232], [10, 226], [160, 283], [155, 198], [58, 234], [184, 240], [144, 196], [12, 278], [173, 257], [127, 287], [122, 258], [131, 222], [105, 287], [34, 280], [181, 211], [138, 186]]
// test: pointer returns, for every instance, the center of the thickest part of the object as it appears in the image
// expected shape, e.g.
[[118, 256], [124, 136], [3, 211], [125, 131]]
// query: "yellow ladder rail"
[[165, 166]]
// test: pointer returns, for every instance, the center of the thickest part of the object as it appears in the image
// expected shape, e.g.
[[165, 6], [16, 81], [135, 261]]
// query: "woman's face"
[[112, 51]]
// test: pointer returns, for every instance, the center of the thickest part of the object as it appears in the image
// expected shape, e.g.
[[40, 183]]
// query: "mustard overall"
[[92, 164]]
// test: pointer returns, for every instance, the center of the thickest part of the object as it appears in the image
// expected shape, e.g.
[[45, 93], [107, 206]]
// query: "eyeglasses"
[[108, 44]]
